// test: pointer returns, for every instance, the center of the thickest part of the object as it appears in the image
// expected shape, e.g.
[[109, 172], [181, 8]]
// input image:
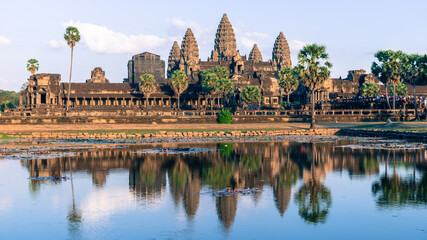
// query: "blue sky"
[[113, 31]]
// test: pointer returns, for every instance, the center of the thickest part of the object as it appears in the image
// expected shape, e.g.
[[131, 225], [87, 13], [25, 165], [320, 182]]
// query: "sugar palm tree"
[[288, 82], [179, 83], [313, 69], [33, 65], [72, 36], [209, 84], [147, 85], [224, 87]]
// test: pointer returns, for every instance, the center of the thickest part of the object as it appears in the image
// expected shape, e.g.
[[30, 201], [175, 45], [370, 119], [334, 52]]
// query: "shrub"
[[225, 117]]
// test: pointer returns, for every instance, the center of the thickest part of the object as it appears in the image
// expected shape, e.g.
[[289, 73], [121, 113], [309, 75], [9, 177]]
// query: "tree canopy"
[[72, 36], [401, 90], [313, 66], [179, 82], [250, 94], [32, 65], [369, 89], [288, 81], [147, 84], [224, 86]]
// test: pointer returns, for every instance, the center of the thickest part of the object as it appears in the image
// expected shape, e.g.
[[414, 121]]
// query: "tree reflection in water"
[[74, 216], [241, 165], [397, 191], [314, 200]]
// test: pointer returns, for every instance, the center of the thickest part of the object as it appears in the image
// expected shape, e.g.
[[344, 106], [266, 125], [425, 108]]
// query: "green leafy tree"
[[369, 89], [224, 87], [415, 70], [33, 65], [209, 83], [147, 85], [288, 81], [72, 36], [389, 70], [6, 104], [210, 79], [401, 89], [250, 94], [313, 69], [179, 83], [11, 96]]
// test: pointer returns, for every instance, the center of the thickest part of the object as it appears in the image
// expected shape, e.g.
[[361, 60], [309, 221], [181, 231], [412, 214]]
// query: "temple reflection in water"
[[280, 166]]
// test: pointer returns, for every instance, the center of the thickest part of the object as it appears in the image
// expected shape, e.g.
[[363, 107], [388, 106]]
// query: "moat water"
[[305, 190]]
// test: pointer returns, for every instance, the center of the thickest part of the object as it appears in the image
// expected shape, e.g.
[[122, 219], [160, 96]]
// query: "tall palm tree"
[[179, 83], [313, 69], [147, 85], [33, 65], [72, 36]]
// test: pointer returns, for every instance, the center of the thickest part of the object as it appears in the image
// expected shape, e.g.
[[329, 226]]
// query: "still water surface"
[[310, 190]]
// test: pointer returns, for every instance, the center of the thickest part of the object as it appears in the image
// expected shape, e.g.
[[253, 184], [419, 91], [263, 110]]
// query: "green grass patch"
[[3, 136]]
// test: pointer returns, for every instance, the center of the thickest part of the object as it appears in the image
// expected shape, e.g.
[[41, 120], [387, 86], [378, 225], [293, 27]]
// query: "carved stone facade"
[[97, 76], [225, 42], [189, 60], [173, 60], [281, 53], [255, 54]]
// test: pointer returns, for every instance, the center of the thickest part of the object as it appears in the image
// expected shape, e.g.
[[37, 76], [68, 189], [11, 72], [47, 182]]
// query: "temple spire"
[[255, 54], [173, 60], [225, 41], [189, 59], [189, 48], [281, 53]]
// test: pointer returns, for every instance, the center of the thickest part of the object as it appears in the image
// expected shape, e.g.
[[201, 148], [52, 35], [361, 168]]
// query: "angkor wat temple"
[[46, 95]]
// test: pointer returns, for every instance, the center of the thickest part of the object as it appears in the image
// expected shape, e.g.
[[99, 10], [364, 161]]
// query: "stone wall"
[[146, 63]]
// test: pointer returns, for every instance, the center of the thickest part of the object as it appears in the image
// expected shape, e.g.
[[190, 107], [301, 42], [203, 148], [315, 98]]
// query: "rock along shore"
[[171, 134]]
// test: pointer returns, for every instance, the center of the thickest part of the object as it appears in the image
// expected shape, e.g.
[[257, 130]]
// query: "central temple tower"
[[225, 42]]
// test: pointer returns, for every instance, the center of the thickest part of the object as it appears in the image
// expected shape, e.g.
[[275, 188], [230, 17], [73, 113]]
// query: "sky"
[[113, 31]]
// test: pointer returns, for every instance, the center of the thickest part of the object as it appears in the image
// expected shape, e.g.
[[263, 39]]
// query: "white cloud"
[[178, 26], [103, 40], [247, 43], [296, 45], [263, 40], [57, 44], [4, 41]]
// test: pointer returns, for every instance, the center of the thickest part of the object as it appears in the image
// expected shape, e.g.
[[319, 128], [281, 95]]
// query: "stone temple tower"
[[173, 60], [189, 58], [255, 54], [281, 53], [225, 41]]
